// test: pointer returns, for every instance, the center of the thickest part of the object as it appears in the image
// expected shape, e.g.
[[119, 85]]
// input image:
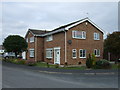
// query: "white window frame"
[[96, 36], [74, 51], [32, 52], [49, 38], [31, 39], [82, 53], [50, 51], [97, 54], [74, 34]]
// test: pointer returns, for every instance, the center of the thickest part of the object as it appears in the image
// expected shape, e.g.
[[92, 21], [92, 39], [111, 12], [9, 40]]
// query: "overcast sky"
[[17, 17]]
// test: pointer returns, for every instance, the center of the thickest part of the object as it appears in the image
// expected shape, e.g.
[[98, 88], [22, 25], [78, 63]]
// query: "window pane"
[[84, 53], [95, 52], [84, 34], [81, 53], [48, 53], [98, 52]]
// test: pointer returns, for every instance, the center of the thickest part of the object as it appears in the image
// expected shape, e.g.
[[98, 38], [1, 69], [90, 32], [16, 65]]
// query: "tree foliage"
[[112, 43], [15, 43]]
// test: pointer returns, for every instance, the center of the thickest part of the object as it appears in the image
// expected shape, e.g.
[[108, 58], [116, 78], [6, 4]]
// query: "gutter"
[[50, 33]]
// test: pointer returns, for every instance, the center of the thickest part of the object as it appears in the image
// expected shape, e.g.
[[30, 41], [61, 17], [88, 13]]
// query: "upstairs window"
[[49, 53], [31, 39], [97, 52], [74, 53], [82, 53], [49, 38], [31, 52], [79, 34], [96, 36]]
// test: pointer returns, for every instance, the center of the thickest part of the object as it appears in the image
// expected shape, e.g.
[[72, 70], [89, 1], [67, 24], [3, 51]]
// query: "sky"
[[18, 17]]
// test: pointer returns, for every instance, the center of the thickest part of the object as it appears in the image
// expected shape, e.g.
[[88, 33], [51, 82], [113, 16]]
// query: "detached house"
[[70, 43]]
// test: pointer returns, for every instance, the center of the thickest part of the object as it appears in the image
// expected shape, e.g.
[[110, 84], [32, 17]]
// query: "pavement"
[[20, 76]]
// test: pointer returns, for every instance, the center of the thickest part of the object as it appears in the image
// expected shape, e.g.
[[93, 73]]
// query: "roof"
[[38, 32], [62, 28]]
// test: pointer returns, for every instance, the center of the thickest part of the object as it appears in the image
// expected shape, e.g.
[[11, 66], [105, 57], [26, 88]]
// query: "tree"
[[112, 44], [15, 43]]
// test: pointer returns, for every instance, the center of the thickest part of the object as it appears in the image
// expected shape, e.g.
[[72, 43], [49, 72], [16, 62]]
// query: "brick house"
[[70, 43]]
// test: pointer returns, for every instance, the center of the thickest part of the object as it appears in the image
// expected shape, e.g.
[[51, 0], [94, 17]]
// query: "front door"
[[56, 56]]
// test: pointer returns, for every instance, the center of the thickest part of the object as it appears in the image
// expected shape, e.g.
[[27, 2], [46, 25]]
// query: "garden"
[[91, 63]]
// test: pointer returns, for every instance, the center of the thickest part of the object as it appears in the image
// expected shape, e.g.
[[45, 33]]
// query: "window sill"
[[31, 42], [97, 55], [49, 40], [79, 38], [82, 57], [74, 57], [49, 57], [96, 39], [31, 57]]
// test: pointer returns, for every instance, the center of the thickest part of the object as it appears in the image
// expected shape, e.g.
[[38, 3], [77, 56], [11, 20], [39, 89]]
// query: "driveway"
[[16, 77]]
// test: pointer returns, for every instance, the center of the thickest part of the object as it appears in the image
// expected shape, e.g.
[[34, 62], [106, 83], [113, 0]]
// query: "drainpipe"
[[35, 49], [65, 47]]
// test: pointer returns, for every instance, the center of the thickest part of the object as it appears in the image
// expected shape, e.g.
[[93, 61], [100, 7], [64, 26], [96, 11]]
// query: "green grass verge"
[[42, 64], [77, 68], [116, 66]]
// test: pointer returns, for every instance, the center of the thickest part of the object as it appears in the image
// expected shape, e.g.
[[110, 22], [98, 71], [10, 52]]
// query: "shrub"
[[48, 65], [30, 63], [102, 64], [15, 61], [89, 62], [93, 59], [56, 65], [21, 61], [8, 60]]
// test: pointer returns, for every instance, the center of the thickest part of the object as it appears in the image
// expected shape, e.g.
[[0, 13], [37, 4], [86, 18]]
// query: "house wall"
[[40, 45], [30, 45], [89, 43], [58, 41], [39, 48]]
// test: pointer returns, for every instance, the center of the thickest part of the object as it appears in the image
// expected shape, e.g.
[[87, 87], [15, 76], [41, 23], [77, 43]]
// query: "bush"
[[48, 65], [8, 60], [30, 63], [102, 64], [89, 62], [21, 62], [56, 65]]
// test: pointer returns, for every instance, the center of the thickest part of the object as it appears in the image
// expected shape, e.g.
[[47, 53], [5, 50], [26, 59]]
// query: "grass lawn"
[[42, 64], [79, 67], [116, 66]]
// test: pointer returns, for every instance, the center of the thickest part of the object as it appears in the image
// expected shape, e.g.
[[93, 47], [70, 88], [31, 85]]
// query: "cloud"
[[19, 16]]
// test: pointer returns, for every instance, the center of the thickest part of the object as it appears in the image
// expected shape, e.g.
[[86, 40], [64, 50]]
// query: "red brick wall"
[[39, 48], [89, 43], [30, 45], [58, 41]]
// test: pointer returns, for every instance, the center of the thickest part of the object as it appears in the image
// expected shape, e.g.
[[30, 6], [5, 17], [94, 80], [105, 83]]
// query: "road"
[[14, 77]]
